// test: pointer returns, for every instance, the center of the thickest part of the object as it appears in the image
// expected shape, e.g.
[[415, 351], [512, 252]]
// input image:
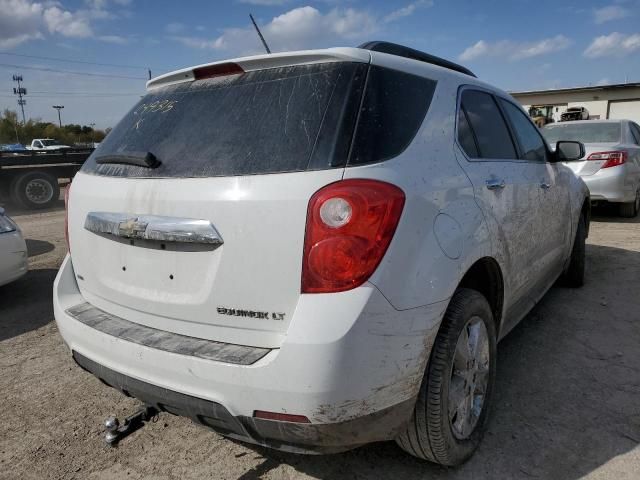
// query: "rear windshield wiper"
[[140, 159]]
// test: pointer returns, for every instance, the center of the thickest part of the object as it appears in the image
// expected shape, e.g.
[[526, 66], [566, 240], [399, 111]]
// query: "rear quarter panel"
[[442, 231]]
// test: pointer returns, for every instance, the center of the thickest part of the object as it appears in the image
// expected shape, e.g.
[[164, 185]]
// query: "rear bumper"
[[610, 185], [13, 257], [355, 388], [292, 437]]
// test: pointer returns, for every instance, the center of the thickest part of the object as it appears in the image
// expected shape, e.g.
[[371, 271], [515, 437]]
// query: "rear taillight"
[[66, 215], [612, 159], [349, 227]]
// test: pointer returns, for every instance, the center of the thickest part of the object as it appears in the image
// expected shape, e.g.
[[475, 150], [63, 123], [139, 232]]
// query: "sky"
[[93, 56]]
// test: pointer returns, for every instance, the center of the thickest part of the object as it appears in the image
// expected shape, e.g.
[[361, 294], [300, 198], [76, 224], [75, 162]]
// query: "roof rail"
[[402, 51]]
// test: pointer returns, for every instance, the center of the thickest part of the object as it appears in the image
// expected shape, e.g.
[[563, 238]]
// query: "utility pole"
[[266, 47], [20, 91], [59, 107]]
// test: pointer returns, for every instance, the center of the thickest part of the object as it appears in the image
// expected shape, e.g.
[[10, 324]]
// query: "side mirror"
[[568, 151]]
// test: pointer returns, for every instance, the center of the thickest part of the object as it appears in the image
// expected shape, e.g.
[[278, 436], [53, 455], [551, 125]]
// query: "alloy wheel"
[[469, 378]]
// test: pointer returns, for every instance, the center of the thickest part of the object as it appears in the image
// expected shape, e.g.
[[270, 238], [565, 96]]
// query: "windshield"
[[596, 132]]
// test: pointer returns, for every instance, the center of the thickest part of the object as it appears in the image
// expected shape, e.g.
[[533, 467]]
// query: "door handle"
[[495, 184], [545, 186]]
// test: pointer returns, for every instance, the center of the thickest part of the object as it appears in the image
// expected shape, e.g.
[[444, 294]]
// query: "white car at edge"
[[13, 250], [316, 250]]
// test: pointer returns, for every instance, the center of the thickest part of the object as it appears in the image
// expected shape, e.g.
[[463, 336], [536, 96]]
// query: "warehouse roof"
[[577, 89]]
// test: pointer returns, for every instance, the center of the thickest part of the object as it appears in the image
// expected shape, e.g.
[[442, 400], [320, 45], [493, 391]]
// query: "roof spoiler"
[[259, 62], [402, 51]]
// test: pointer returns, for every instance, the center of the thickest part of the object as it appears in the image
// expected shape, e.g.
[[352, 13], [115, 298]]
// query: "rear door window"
[[268, 121], [488, 126], [530, 140]]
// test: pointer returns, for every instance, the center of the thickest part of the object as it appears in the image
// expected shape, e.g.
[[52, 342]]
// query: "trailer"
[[32, 178]]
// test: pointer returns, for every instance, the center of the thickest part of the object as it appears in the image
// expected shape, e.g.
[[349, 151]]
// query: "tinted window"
[[275, 120], [465, 135], [531, 143], [587, 132], [489, 127], [635, 131], [393, 108]]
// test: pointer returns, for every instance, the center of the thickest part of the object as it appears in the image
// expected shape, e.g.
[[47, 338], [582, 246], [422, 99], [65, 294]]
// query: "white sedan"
[[13, 250]]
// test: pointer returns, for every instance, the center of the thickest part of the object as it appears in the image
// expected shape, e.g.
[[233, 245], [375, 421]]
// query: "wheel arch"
[[485, 276]]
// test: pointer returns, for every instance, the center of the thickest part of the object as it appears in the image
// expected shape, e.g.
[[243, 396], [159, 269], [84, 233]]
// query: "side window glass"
[[635, 131], [486, 121], [530, 140], [465, 135], [393, 108]]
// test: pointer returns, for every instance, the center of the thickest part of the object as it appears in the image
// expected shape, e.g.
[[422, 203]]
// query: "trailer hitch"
[[116, 432]]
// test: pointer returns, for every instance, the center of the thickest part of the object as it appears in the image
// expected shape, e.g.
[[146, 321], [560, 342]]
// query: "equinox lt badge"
[[236, 312]]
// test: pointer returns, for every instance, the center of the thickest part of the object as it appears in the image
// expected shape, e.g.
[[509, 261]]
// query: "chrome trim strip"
[[153, 227], [166, 341]]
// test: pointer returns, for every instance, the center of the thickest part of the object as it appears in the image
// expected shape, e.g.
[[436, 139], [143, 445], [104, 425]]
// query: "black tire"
[[429, 434], [36, 190], [630, 210], [573, 276]]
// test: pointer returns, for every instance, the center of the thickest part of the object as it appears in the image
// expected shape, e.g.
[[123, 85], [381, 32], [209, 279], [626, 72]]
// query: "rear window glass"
[[596, 132], [270, 121], [393, 109], [276, 120]]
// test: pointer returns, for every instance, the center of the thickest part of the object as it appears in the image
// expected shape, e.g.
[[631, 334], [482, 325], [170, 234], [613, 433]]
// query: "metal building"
[[606, 101]]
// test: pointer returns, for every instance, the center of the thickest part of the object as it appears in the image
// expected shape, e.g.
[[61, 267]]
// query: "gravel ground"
[[566, 402]]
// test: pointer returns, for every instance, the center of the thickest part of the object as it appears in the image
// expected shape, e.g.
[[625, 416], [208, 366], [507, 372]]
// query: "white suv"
[[316, 250]]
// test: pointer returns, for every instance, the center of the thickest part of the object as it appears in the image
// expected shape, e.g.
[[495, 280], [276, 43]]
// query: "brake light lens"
[[66, 215], [219, 70], [612, 159], [350, 225]]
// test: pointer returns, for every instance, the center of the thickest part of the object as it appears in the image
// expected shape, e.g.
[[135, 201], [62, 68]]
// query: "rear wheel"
[[631, 209], [451, 411], [36, 190]]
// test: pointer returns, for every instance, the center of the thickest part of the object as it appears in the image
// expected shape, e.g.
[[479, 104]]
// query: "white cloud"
[[25, 20], [407, 10], [612, 12], [299, 28], [66, 23], [603, 81], [614, 44], [20, 21], [201, 43], [515, 50]]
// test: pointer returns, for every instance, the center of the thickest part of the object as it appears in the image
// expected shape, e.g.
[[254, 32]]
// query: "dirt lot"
[[567, 404]]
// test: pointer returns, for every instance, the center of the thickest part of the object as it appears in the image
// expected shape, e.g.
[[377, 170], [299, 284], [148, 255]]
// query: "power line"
[[71, 72], [83, 95], [56, 59], [101, 94]]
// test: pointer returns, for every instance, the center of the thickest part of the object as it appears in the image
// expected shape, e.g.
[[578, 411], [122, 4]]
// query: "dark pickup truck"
[[32, 178]]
